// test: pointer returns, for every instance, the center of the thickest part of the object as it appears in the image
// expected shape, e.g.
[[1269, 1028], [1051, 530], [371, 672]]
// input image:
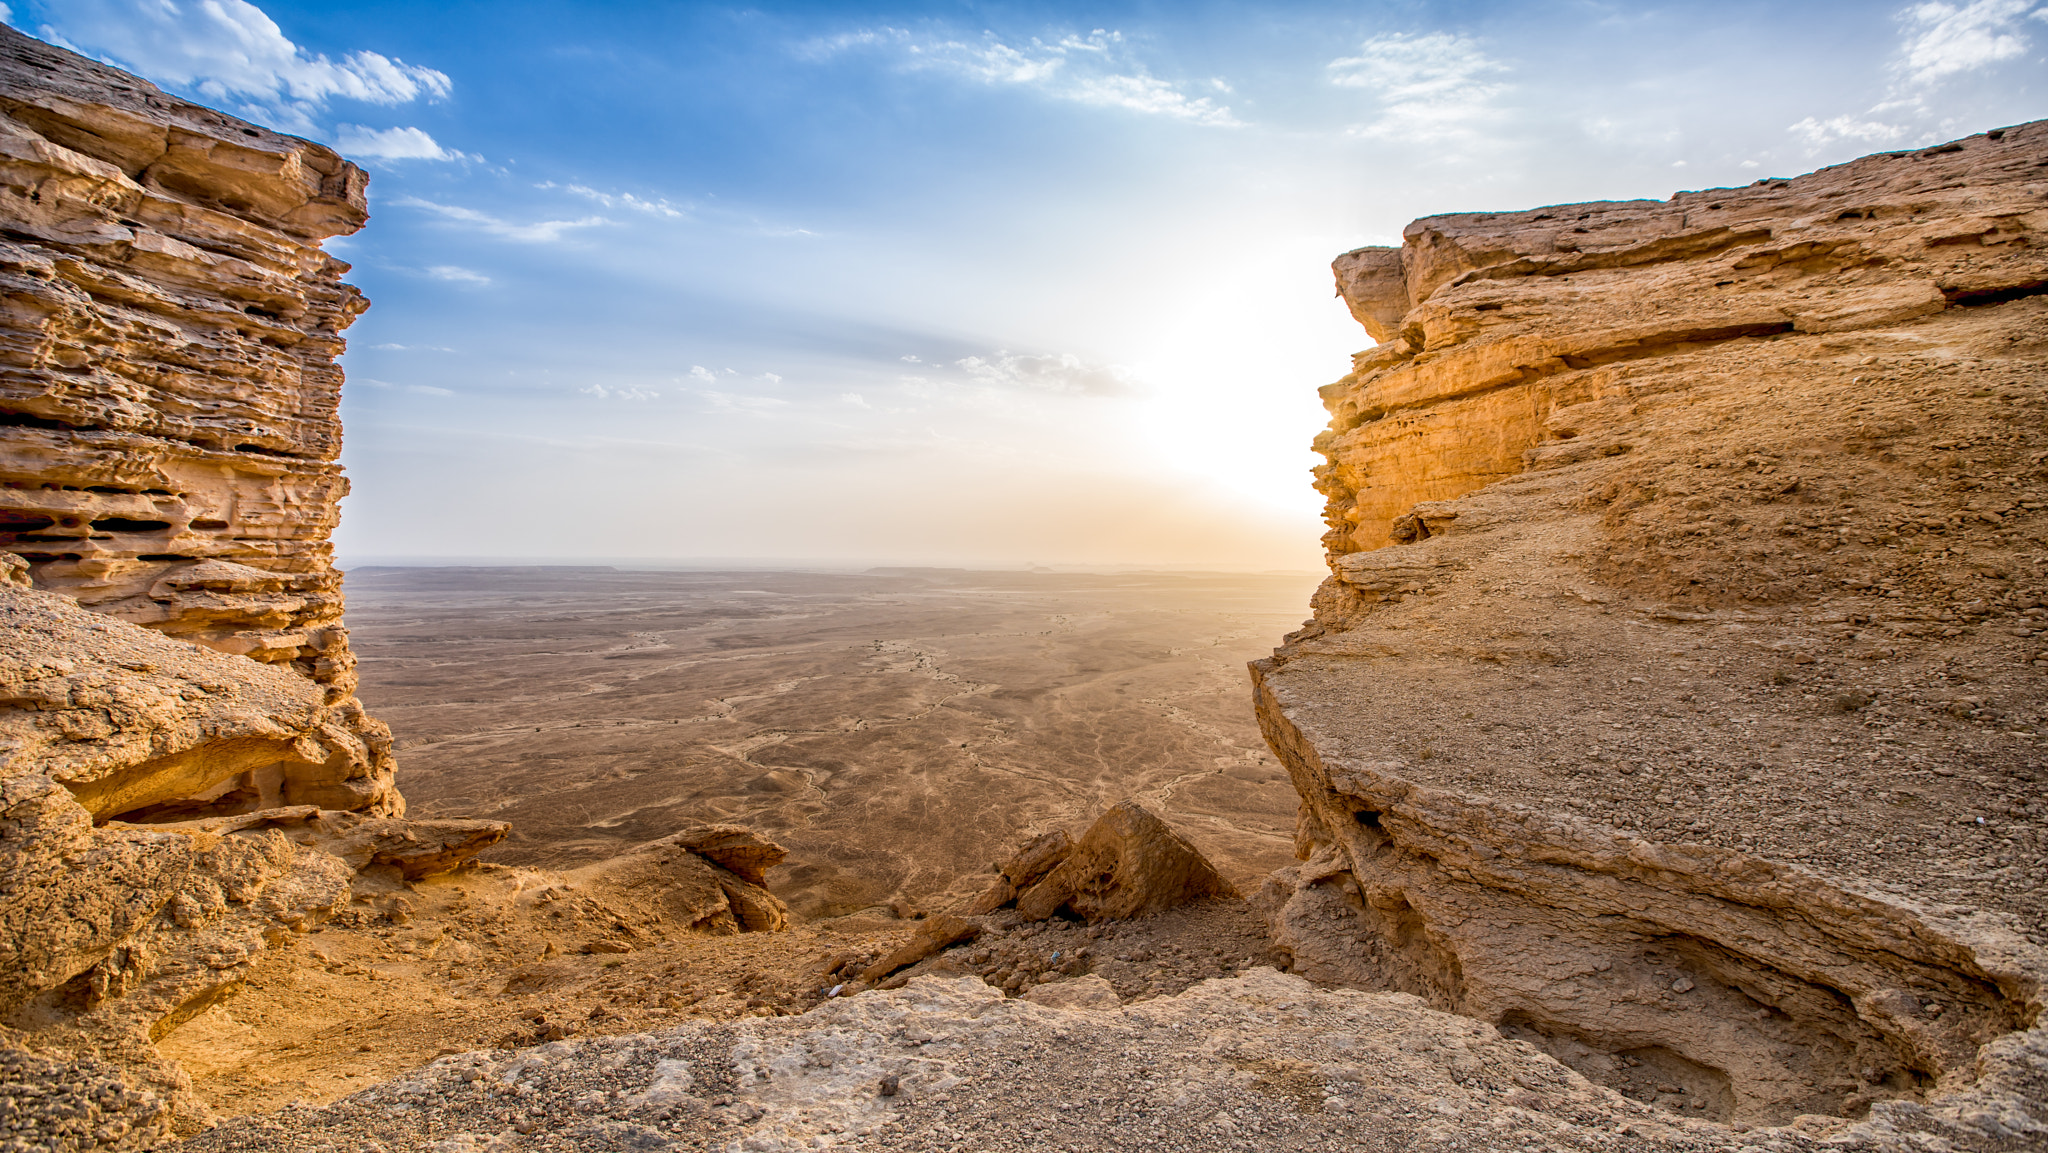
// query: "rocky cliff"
[[168, 388], [185, 775], [1676, 697]]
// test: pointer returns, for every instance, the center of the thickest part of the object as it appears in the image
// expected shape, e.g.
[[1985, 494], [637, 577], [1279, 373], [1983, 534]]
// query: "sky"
[[979, 284]]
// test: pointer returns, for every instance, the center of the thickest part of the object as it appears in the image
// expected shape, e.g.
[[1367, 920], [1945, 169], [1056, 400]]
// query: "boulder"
[[736, 848], [670, 882], [1129, 863]]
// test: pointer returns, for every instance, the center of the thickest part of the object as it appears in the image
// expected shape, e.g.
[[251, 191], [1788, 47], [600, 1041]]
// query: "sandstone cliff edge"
[[1675, 700]]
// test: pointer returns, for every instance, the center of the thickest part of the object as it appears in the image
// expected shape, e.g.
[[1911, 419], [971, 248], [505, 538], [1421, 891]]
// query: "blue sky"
[[963, 283]]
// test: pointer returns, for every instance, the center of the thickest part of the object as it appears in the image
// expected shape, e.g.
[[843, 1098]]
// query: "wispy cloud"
[[1938, 42], [354, 140], [421, 389], [458, 274], [411, 348], [738, 402], [1057, 373], [1097, 69], [1428, 86], [619, 392], [539, 231], [625, 200], [1816, 134], [229, 49], [1942, 40]]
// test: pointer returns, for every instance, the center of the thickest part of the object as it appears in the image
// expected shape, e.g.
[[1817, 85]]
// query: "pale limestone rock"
[[1264, 1061], [1090, 993]]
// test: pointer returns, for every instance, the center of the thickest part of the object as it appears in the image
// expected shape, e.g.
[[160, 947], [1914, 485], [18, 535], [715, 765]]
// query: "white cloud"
[[618, 200], [1096, 69], [411, 348], [771, 378], [354, 140], [457, 274], [751, 405], [619, 392], [1818, 134], [1944, 39], [1063, 373], [855, 399], [1939, 40], [422, 389], [1430, 86], [224, 49], [539, 231], [699, 373], [6, 14]]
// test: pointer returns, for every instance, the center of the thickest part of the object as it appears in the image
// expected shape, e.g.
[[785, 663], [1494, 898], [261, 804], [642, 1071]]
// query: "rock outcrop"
[[185, 774], [1519, 340], [1128, 864], [1675, 698], [710, 878], [114, 931], [168, 388]]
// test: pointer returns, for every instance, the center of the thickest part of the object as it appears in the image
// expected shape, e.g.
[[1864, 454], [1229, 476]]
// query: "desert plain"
[[897, 730]]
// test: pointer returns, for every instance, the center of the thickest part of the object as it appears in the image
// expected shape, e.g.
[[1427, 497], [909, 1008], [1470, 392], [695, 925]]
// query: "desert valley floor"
[[896, 730]]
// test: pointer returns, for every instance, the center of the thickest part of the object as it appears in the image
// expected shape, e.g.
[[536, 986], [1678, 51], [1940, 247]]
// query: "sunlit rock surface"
[[1676, 701], [168, 386]]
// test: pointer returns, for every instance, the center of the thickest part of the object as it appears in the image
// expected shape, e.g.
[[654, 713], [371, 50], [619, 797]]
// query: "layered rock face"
[[185, 774], [1510, 340], [168, 391], [1677, 695]]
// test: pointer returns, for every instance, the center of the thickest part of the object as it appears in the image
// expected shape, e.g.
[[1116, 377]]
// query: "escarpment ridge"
[[186, 777], [1675, 700], [168, 385]]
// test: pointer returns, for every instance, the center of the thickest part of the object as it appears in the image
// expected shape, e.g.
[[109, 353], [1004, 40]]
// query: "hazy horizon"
[[351, 563], [963, 283]]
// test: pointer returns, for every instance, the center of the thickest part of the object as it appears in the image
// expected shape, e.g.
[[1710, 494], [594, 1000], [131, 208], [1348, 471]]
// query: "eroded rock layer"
[[1676, 697], [185, 774], [168, 388]]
